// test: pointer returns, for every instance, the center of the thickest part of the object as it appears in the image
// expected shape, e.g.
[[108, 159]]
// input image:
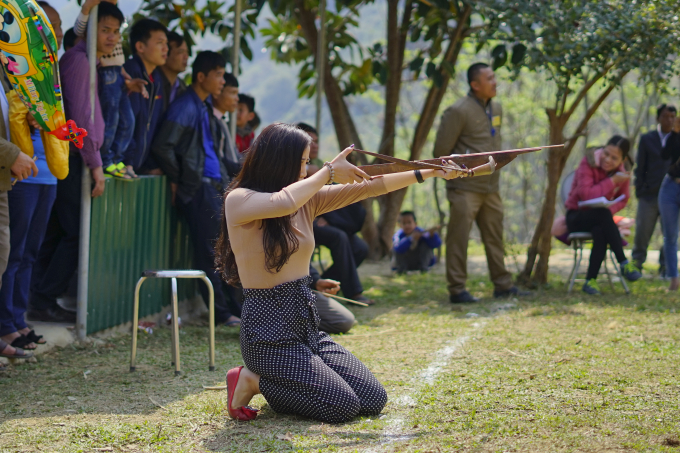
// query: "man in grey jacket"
[[473, 125]]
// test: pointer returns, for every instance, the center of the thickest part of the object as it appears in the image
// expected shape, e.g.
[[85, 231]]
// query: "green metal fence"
[[134, 228]]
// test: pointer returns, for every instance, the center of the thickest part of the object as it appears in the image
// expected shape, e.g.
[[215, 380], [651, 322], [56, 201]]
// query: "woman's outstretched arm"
[[335, 197], [244, 206]]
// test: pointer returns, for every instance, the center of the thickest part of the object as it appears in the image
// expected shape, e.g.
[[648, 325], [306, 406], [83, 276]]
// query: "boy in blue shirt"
[[413, 246]]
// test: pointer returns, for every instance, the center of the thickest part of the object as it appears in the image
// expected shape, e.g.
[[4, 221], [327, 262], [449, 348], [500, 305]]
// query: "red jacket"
[[243, 142], [591, 181]]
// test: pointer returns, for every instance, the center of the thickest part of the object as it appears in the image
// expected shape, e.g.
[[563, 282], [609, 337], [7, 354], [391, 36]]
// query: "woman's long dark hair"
[[272, 163]]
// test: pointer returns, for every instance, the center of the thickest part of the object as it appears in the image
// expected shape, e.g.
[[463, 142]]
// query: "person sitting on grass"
[[412, 246], [601, 173], [333, 316]]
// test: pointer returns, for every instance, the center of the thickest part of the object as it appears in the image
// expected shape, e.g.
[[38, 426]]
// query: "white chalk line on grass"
[[394, 431]]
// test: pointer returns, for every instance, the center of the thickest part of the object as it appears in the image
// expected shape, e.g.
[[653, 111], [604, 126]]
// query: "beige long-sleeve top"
[[246, 208]]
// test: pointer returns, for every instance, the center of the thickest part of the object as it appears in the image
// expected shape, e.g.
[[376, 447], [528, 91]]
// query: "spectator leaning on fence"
[[176, 63], [149, 44], [58, 257], [13, 163], [601, 173], [186, 150], [223, 104], [649, 173], [30, 204], [473, 125], [116, 109]]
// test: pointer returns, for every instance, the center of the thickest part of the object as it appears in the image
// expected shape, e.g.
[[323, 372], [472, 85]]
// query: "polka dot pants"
[[303, 371]]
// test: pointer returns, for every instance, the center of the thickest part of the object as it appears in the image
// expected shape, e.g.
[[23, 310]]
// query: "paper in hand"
[[600, 202]]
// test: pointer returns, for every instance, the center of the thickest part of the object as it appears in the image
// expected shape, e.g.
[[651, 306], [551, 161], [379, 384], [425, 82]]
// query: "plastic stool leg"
[[175, 327], [135, 321]]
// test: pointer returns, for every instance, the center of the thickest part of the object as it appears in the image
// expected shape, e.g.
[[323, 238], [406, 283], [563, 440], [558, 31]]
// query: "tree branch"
[[589, 114]]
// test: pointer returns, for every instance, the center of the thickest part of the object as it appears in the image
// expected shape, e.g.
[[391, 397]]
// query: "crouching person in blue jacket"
[[190, 149], [412, 246]]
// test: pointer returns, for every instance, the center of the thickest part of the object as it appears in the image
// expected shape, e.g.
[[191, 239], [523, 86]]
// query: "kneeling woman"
[[266, 245], [601, 174]]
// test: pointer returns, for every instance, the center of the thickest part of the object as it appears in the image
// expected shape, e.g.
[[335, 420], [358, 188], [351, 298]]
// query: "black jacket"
[[148, 114], [349, 219], [651, 166], [167, 89], [178, 147]]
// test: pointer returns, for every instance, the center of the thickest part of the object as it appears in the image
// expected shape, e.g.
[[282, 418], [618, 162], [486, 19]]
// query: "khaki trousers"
[[4, 233], [487, 210]]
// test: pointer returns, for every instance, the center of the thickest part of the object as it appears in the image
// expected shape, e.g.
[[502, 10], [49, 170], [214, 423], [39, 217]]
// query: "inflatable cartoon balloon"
[[29, 48]]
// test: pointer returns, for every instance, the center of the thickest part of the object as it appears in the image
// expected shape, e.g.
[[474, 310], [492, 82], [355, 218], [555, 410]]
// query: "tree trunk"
[[379, 246], [345, 130], [542, 231], [390, 204], [541, 243]]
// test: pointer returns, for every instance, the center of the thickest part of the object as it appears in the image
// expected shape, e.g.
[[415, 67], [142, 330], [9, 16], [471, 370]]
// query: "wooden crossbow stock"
[[468, 165]]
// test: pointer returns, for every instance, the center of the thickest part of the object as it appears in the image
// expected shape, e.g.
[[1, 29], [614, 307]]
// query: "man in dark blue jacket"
[[149, 44], [187, 150], [649, 172]]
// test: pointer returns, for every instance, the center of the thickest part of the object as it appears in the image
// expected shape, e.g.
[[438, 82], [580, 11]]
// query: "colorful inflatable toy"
[[30, 49]]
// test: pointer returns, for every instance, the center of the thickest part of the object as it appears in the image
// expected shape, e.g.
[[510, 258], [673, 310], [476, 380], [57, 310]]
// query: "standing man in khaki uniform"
[[473, 125]]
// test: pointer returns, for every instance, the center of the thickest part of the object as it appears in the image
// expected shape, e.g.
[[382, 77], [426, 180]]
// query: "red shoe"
[[244, 413]]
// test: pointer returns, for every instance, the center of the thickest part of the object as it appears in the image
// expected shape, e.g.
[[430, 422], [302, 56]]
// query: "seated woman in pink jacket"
[[601, 174]]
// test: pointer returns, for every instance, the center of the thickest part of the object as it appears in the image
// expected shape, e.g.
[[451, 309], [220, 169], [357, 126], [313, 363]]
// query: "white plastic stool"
[[174, 275]]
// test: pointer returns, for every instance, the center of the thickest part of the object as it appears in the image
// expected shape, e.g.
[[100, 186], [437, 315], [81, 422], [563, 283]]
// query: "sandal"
[[232, 323], [128, 171], [112, 171], [23, 342], [37, 339], [18, 353]]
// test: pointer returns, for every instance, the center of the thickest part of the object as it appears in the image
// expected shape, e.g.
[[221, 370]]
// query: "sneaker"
[[112, 171], [463, 298], [512, 292], [590, 287], [631, 272]]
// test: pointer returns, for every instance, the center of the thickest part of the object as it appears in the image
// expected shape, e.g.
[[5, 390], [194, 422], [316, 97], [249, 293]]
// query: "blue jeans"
[[29, 209], [117, 112], [669, 207]]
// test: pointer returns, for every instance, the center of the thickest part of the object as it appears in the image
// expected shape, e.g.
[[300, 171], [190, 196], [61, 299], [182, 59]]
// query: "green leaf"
[[500, 56], [416, 64], [518, 53]]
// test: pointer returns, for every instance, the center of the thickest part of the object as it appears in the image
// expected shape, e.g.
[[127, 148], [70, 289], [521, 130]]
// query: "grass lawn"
[[551, 373]]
